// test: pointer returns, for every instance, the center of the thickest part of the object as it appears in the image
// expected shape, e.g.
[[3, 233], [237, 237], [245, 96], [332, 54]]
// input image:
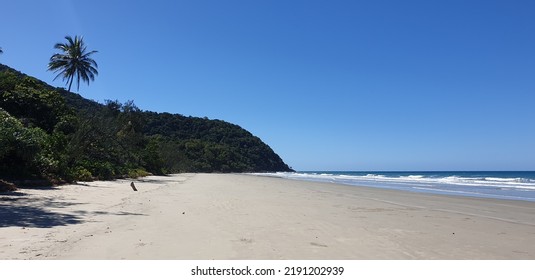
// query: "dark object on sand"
[[133, 186]]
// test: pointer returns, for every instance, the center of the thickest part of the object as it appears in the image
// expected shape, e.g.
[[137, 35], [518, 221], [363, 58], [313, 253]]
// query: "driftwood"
[[133, 186]]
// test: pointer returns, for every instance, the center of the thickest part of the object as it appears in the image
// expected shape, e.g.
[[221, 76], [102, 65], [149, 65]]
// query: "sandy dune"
[[214, 216]]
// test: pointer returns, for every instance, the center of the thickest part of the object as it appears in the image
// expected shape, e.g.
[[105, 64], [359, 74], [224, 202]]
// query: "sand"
[[234, 216]]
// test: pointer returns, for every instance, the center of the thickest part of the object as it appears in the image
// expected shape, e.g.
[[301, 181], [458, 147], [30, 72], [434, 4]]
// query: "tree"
[[73, 62], [1, 52]]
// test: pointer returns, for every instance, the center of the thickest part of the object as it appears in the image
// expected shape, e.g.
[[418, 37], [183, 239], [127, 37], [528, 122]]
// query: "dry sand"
[[214, 216]]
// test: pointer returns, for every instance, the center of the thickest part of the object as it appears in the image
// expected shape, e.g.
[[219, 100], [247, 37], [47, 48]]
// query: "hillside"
[[47, 132]]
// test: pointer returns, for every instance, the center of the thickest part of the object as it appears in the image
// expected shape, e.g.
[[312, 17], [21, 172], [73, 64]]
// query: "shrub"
[[82, 174], [136, 173], [6, 186]]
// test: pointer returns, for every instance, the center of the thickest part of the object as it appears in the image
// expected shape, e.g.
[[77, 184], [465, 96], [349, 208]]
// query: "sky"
[[329, 85]]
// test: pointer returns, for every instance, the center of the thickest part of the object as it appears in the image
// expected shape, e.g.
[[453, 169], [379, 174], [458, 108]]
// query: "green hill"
[[47, 132]]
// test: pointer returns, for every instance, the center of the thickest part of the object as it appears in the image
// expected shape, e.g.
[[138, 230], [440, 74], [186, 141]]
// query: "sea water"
[[517, 185]]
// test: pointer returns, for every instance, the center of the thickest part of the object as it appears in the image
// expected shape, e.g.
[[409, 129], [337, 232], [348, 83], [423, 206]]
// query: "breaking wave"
[[506, 185]]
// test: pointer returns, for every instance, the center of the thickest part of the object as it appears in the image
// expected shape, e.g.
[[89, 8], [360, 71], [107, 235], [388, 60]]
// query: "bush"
[[136, 173], [6, 186], [82, 174]]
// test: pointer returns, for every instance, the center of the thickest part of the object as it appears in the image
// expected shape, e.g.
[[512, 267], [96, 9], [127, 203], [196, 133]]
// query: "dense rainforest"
[[51, 133]]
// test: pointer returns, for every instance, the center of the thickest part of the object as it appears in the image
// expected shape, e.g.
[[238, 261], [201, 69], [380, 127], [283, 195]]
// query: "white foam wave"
[[415, 180]]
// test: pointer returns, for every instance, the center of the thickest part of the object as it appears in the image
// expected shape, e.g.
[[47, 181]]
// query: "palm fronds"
[[73, 62]]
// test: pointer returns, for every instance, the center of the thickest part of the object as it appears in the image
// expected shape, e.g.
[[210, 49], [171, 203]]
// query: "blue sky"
[[329, 85]]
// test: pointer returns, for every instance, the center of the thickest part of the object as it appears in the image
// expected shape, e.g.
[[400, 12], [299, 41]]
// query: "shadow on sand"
[[30, 216], [21, 210]]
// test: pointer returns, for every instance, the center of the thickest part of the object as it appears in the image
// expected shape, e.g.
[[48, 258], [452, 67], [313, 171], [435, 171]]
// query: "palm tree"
[[74, 61]]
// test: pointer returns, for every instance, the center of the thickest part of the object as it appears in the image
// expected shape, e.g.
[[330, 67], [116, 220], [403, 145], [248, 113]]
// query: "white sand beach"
[[231, 216]]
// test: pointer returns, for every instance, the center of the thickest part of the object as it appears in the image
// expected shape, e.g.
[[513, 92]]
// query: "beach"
[[239, 216]]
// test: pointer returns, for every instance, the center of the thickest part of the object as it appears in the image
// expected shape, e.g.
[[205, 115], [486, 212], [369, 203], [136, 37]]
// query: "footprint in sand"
[[318, 244]]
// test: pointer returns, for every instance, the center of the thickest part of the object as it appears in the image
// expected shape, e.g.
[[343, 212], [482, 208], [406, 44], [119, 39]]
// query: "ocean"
[[516, 185]]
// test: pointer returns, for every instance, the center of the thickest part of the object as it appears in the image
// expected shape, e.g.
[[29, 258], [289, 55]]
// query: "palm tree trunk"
[[70, 84]]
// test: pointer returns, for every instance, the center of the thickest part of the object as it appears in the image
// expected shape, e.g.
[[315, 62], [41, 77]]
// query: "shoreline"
[[241, 216], [503, 185]]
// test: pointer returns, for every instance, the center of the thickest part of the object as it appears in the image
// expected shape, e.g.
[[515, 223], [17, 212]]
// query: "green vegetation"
[[50, 133], [73, 61]]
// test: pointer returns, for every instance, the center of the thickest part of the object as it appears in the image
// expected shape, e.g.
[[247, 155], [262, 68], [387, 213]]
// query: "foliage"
[[7, 186], [32, 103], [211, 145], [136, 173], [23, 151], [82, 174]]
